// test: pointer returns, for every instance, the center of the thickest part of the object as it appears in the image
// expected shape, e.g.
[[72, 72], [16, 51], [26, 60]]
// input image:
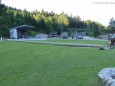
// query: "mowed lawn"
[[97, 42], [29, 64]]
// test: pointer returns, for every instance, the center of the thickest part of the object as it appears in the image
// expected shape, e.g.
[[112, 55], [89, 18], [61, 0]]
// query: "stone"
[[107, 75]]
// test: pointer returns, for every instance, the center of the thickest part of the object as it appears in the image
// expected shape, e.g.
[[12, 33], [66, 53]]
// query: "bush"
[[31, 33]]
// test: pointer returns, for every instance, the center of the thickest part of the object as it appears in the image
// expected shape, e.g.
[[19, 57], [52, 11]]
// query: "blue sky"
[[96, 10]]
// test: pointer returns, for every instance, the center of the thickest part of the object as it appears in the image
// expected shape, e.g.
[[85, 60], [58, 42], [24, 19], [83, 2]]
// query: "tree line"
[[46, 22]]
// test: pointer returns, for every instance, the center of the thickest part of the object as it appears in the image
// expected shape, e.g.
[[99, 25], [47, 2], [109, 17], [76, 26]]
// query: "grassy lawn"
[[29, 64], [78, 41]]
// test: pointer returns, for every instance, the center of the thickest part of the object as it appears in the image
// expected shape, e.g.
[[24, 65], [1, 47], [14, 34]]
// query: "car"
[[79, 37]]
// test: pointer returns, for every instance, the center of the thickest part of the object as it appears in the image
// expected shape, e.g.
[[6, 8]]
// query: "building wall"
[[13, 33]]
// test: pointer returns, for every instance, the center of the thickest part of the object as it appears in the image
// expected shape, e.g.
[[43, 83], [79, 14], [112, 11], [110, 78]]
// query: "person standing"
[[111, 38]]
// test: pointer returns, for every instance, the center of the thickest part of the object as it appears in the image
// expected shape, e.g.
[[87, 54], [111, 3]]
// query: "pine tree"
[[112, 25]]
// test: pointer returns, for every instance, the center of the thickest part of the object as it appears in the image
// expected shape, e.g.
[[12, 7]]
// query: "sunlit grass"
[[29, 64]]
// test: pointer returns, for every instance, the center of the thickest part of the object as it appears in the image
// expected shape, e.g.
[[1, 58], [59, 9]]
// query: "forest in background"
[[46, 22]]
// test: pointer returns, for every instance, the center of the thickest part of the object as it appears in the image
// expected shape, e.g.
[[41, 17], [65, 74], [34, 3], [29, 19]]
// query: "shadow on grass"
[[99, 83]]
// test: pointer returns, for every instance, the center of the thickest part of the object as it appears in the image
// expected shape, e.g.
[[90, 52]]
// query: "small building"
[[13, 33], [20, 31]]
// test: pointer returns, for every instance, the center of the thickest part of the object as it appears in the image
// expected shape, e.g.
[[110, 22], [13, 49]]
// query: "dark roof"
[[23, 27]]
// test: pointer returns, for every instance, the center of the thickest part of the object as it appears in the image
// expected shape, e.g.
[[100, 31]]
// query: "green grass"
[[78, 41], [29, 64]]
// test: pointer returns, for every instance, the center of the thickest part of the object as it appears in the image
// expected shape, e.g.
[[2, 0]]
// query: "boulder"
[[107, 75]]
